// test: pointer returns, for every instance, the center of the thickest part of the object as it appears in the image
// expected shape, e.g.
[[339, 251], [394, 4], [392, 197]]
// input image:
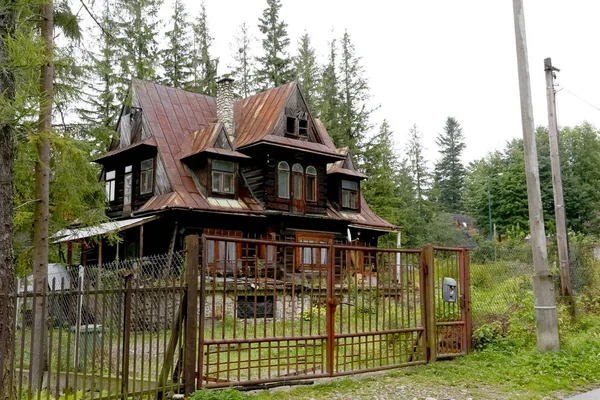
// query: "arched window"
[[283, 180], [298, 177], [311, 183]]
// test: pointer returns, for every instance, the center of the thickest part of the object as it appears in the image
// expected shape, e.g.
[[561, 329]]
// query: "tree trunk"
[[41, 212], [7, 149]]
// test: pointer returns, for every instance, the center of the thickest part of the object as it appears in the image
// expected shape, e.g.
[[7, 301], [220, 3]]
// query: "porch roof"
[[69, 235]]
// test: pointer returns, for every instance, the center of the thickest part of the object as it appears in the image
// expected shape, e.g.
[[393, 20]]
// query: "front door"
[[297, 189]]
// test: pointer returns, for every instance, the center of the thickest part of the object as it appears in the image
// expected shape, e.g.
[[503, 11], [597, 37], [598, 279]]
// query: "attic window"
[[223, 177], [350, 194], [110, 185], [296, 126], [303, 127], [291, 126]]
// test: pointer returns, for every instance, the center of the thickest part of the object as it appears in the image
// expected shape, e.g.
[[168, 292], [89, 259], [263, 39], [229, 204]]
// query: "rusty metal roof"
[[144, 143], [203, 141], [365, 218], [345, 166]]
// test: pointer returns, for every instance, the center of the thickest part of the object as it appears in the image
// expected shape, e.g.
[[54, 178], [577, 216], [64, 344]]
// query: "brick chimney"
[[225, 100]]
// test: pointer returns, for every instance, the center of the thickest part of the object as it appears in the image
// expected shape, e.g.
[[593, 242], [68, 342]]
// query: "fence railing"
[[232, 311]]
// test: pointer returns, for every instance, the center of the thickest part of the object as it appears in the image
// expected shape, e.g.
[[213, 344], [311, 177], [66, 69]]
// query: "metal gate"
[[273, 311]]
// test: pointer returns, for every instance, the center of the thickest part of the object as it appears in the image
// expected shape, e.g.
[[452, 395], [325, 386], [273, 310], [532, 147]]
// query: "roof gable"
[[265, 114]]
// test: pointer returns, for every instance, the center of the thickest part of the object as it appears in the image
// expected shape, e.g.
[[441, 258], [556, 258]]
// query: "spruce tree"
[[243, 67], [204, 67], [307, 70], [176, 57], [328, 101], [138, 30], [418, 170], [449, 171], [380, 164], [104, 88], [275, 66], [354, 112]]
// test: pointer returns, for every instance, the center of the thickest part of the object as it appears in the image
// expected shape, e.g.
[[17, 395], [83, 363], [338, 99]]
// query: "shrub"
[[486, 334]]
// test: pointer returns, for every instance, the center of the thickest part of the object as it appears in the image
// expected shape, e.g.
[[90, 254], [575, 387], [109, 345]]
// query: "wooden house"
[[255, 167]]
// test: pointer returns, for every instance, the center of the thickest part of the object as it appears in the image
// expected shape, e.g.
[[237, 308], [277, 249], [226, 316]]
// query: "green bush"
[[224, 394], [486, 334]]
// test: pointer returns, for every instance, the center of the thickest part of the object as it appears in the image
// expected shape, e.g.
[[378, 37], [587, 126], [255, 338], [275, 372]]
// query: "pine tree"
[[243, 67], [204, 67], [275, 66], [307, 70], [418, 170], [138, 30], [328, 101], [354, 113], [176, 57], [449, 171]]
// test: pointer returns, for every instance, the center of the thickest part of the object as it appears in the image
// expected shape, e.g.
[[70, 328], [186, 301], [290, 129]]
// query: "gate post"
[[430, 318], [466, 298], [200, 350], [191, 277]]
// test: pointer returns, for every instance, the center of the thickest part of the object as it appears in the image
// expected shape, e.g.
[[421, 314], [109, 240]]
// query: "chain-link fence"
[[501, 278]]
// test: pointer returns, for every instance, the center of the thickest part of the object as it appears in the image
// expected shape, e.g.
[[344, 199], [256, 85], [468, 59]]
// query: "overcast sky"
[[426, 60]]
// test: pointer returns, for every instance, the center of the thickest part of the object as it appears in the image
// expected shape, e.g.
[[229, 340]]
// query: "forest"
[[98, 46]]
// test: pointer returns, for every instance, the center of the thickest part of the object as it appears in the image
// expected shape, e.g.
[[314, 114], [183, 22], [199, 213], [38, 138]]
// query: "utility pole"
[[543, 287], [559, 201]]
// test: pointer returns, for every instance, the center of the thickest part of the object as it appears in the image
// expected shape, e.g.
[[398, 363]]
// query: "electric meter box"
[[449, 290]]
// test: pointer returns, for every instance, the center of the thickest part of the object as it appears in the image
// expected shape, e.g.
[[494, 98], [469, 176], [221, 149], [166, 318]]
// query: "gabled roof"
[[212, 139], [345, 166], [181, 124], [147, 143]]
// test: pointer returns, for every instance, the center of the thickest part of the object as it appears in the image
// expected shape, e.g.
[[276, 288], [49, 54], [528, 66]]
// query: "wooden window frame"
[[110, 185], [143, 173], [223, 173], [316, 253], [287, 172], [217, 257], [311, 180], [128, 175], [356, 193]]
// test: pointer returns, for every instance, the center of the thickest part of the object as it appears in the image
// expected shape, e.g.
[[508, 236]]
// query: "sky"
[[426, 60]]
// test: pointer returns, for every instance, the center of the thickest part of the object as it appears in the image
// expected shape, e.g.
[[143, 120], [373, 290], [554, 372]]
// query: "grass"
[[504, 370]]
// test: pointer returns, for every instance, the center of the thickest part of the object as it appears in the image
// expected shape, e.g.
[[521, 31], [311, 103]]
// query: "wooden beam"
[[141, 241]]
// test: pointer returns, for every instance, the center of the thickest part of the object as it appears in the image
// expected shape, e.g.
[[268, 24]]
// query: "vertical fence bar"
[[203, 272], [430, 320], [467, 299], [126, 337], [331, 303], [191, 270]]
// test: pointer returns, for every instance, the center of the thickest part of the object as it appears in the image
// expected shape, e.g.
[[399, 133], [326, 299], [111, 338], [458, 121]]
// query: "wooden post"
[[430, 320], [559, 202], [330, 312], [191, 265], [126, 337], [141, 241], [543, 286], [203, 273]]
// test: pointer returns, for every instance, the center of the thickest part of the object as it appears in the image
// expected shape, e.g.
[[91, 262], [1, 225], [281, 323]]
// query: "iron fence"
[[232, 311]]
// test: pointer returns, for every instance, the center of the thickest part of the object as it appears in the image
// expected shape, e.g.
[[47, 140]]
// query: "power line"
[[581, 99]]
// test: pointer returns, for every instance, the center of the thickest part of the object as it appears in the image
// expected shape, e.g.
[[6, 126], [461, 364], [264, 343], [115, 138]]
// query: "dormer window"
[[350, 194], [110, 181], [223, 177], [146, 176], [296, 126]]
